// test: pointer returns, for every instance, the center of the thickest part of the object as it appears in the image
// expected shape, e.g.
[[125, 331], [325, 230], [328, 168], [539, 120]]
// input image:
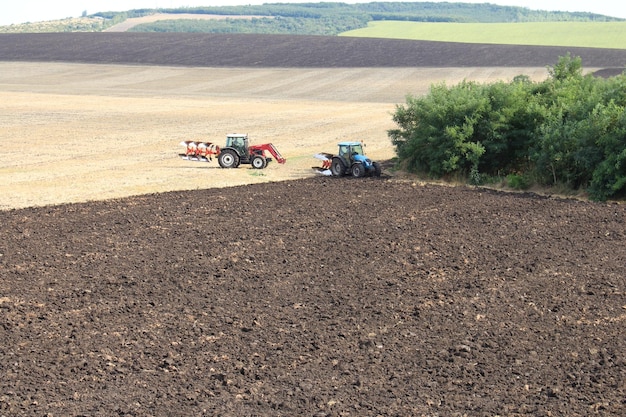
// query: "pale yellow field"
[[77, 132]]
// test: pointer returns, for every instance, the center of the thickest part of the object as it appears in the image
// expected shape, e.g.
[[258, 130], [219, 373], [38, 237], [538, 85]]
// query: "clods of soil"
[[314, 297]]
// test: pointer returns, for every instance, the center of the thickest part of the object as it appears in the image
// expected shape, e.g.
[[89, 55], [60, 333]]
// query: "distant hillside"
[[309, 18]]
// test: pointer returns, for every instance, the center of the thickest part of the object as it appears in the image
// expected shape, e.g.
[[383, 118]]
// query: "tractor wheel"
[[358, 170], [377, 169], [259, 162], [228, 159], [337, 167]]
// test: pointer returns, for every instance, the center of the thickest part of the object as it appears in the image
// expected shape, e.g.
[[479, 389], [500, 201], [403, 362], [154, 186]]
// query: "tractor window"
[[357, 149], [238, 143]]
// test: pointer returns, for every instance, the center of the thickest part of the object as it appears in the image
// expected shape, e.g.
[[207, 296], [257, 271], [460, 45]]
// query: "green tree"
[[567, 68], [609, 176], [566, 150], [507, 128], [437, 131], [467, 129]]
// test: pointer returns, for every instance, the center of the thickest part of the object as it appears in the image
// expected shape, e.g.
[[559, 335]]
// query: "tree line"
[[324, 26], [569, 130]]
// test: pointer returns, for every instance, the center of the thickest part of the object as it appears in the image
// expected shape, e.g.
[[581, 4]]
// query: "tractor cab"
[[350, 152], [239, 142]]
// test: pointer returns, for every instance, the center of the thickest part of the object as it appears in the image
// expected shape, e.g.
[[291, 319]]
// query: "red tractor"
[[237, 151]]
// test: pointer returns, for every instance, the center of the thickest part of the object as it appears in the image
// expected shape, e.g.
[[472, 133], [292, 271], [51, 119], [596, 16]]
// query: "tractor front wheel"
[[259, 162], [337, 167], [358, 170], [228, 159]]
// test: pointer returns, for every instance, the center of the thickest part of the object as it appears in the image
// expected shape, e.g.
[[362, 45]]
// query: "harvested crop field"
[[134, 283]]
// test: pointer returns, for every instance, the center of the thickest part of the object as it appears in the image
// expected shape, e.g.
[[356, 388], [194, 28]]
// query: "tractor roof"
[[349, 143], [237, 135]]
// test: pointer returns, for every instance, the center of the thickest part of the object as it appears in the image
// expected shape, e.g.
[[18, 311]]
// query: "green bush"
[[517, 182], [569, 130]]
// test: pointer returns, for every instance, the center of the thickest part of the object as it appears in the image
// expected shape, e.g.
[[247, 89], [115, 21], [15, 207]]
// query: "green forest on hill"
[[331, 18], [324, 18]]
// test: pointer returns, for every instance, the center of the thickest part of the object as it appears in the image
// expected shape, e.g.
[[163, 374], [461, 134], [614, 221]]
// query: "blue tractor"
[[351, 160]]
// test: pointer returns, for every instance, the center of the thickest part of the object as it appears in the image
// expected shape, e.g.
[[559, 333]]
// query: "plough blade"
[[323, 171]]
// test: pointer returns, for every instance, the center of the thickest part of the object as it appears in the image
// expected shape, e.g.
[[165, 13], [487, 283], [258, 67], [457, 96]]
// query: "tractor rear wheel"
[[337, 167], [358, 170], [259, 162], [228, 159]]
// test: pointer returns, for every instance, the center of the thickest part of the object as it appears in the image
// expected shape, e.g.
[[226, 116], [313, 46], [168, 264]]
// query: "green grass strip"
[[576, 34]]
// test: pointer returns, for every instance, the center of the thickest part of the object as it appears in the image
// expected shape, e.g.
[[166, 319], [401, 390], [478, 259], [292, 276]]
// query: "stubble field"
[[75, 132]]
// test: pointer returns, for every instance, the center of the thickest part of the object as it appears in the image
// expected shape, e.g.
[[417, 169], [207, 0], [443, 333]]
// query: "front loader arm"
[[271, 149]]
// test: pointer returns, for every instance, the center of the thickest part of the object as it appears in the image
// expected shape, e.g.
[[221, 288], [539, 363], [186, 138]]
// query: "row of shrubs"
[[567, 131]]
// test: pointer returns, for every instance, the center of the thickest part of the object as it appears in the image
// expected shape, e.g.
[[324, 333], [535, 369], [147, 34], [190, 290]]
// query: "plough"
[[199, 151], [327, 159]]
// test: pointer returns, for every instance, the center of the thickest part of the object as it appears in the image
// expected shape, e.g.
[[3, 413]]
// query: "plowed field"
[[314, 297], [134, 283]]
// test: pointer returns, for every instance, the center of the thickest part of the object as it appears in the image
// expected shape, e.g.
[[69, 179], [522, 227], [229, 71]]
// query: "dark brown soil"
[[316, 297], [252, 50]]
